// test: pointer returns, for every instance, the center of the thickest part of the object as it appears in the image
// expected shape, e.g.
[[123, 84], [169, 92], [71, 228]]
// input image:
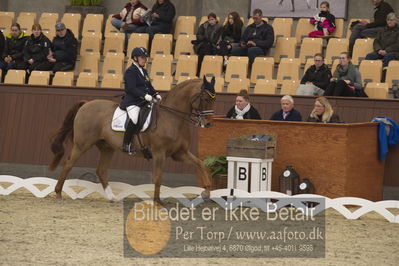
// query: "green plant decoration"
[[216, 164]]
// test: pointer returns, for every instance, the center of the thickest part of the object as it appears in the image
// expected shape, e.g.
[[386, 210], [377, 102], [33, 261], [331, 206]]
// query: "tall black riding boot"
[[127, 146]]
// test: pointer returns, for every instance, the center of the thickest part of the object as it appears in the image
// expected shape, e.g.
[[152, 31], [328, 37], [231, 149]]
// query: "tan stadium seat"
[[15, 77], [348, 30], [282, 27], [212, 66], [235, 85], [377, 90], [89, 62], [63, 79], [186, 66], [339, 28], [5, 24], [361, 48], [288, 70], [184, 46], [309, 63], [48, 26], [162, 83], [237, 68], [90, 44], [114, 43], [184, 78], [161, 66], [112, 81], [309, 47], [285, 48], [334, 66], [137, 40], [334, 48], [289, 87], [392, 77], [371, 71], [72, 22], [39, 78], [113, 63], [161, 44], [185, 25], [219, 83], [303, 28], [109, 28], [8, 14], [26, 22], [251, 20], [47, 15], [265, 86], [87, 80], [27, 14], [93, 24], [262, 68]]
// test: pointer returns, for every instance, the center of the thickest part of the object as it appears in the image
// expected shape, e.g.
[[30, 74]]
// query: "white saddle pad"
[[119, 120]]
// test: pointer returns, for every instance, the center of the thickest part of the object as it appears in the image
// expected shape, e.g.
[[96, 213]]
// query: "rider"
[[138, 91]]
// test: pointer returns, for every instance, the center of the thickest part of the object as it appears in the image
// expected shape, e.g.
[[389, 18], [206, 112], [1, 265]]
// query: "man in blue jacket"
[[287, 112]]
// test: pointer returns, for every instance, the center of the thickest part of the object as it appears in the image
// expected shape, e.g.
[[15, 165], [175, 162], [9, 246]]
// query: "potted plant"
[[217, 166], [85, 7]]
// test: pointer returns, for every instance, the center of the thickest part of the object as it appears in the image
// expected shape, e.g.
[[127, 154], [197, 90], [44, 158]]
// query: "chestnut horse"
[[89, 123]]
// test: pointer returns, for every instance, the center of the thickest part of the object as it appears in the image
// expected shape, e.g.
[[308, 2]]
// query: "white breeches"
[[133, 112]]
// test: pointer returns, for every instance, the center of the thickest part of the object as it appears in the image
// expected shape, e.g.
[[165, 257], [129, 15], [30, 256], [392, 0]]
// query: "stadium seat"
[[237, 68], [15, 77], [251, 20], [371, 71], [185, 25], [162, 83], [113, 63], [27, 14], [339, 29], [361, 49], [289, 87], [63, 79], [48, 26], [285, 48], [89, 62], [334, 65], [303, 28], [212, 66], [348, 30], [161, 66], [186, 66], [334, 48], [309, 47], [8, 14], [72, 22], [47, 15], [262, 68], [377, 90], [184, 46], [265, 86], [26, 21], [235, 85], [87, 80], [161, 44], [282, 27], [219, 83], [288, 70], [5, 24], [39, 78], [109, 28], [90, 44], [184, 78], [137, 40], [309, 63], [392, 77], [92, 24], [112, 81], [114, 43]]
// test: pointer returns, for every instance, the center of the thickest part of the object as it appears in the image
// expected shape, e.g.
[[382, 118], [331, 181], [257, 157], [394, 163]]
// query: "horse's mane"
[[184, 87]]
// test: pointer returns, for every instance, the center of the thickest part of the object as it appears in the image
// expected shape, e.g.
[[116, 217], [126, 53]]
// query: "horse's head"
[[203, 104]]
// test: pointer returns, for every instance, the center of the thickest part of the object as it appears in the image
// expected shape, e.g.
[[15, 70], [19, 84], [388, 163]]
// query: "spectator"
[[207, 38], [323, 112], [231, 35], [324, 22], [316, 78], [346, 80], [2, 43], [363, 29], [36, 51], [386, 46], [243, 109], [257, 38], [287, 112], [64, 49], [13, 54], [129, 19]]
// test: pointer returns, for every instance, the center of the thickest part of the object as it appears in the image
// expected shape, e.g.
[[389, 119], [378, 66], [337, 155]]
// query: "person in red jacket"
[[130, 17]]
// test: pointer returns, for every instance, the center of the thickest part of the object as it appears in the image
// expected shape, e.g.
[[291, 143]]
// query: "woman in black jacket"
[[13, 55], [243, 109], [230, 36], [37, 51]]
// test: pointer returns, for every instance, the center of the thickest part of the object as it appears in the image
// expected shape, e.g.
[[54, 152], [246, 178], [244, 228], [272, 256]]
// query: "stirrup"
[[128, 149]]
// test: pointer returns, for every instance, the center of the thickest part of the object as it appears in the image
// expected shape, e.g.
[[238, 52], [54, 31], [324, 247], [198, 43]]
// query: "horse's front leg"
[[158, 164]]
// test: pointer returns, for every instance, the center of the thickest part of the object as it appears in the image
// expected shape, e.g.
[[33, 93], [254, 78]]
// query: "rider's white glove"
[[148, 97], [159, 98]]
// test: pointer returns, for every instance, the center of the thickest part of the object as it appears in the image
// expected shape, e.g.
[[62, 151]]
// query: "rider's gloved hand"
[[158, 97], [148, 97]]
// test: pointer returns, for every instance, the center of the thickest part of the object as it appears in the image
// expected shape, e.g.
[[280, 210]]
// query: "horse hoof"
[[206, 195], [58, 197]]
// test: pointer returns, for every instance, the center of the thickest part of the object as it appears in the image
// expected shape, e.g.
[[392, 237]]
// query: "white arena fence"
[[179, 193]]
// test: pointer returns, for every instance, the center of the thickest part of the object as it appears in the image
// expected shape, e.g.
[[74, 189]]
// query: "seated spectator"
[[208, 35], [324, 22], [64, 49], [36, 51], [323, 112], [386, 45], [2, 43], [243, 109], [13, 55], [363, 29], [287, 112], [256, 39], [316, 78], [346, 80], [231, 35], [129, 19]]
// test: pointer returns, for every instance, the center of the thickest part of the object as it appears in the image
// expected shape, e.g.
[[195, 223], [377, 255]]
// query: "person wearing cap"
[[64, 49], [138, 92]]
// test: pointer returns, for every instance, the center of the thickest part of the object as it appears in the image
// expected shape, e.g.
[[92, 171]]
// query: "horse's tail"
[[64, 133]]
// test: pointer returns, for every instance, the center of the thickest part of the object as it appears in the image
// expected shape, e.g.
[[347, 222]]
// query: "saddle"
[[120, 119]]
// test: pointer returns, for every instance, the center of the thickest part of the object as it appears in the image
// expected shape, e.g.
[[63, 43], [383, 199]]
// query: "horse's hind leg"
[[106, 153]]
